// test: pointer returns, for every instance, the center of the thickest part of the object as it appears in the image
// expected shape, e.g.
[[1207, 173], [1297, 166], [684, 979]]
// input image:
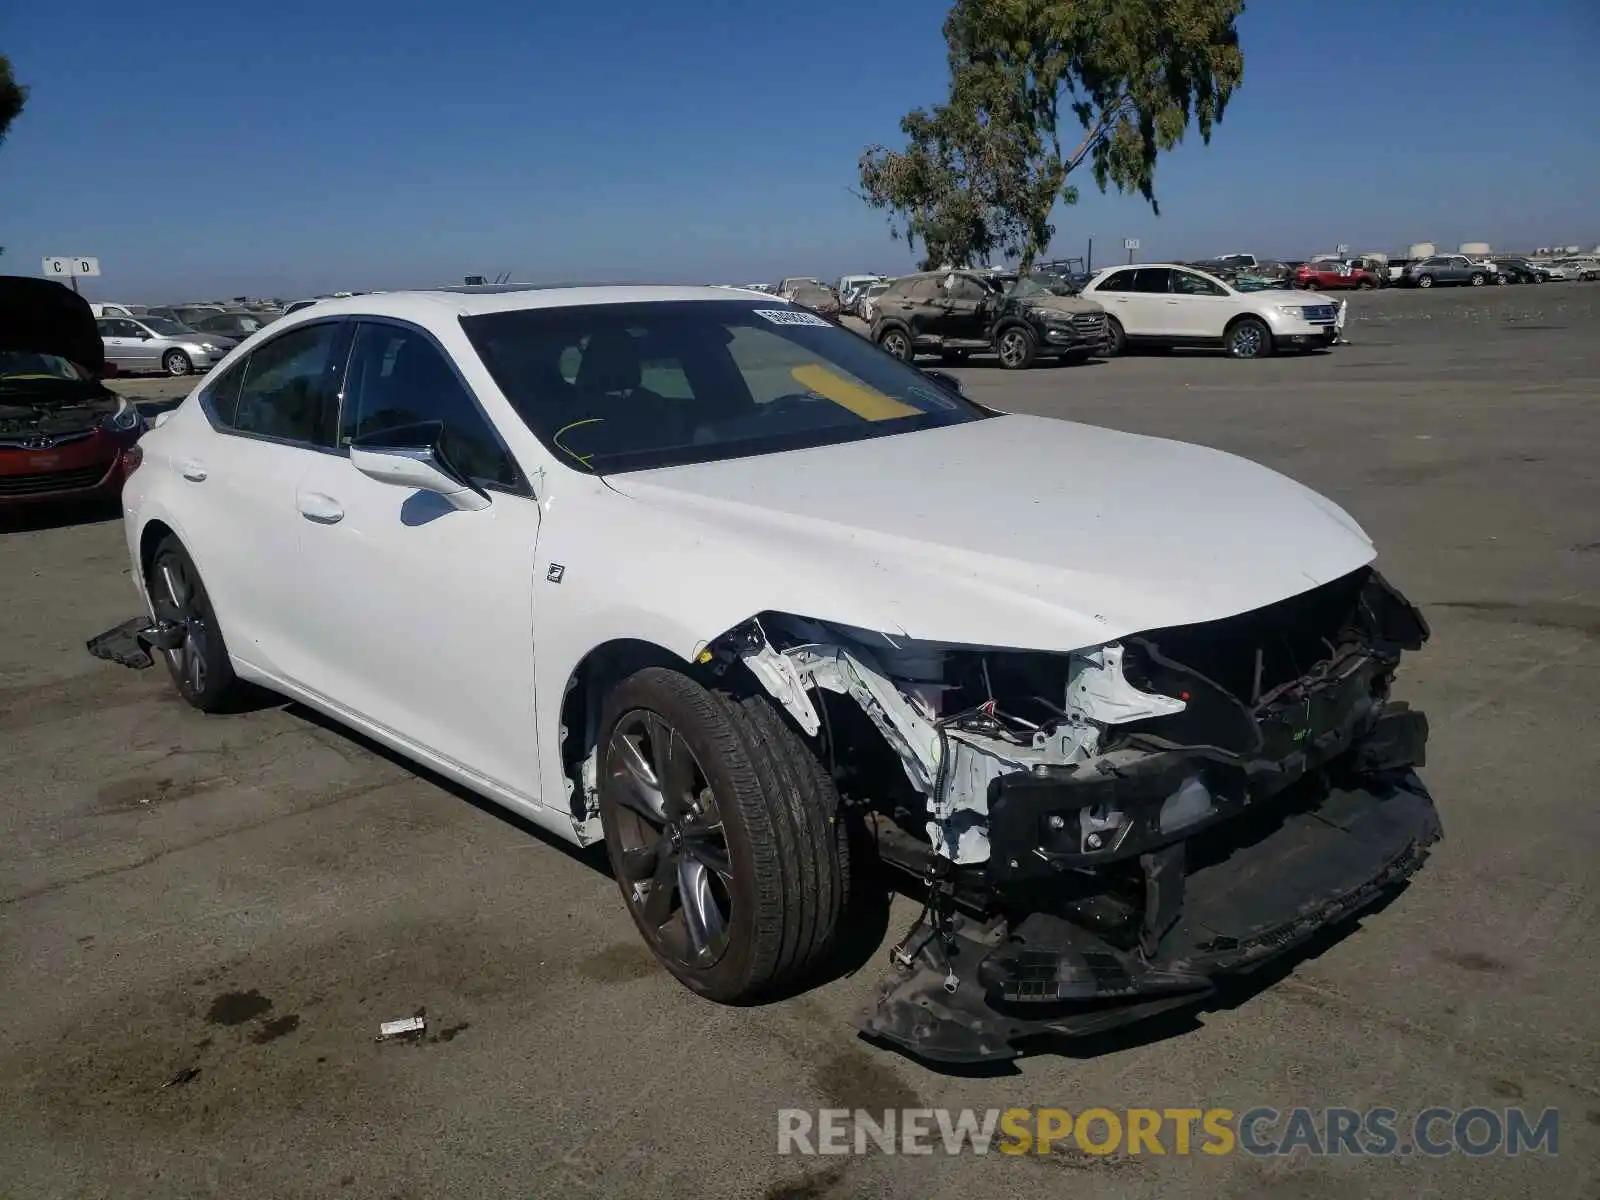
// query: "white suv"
[[1168, 305]]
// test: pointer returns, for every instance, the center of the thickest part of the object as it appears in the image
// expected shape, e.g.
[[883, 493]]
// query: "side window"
[[107, 328], [1118, 281], [1152, 279], [1192, 285], [964, 287], [399, 377], [285, 389], [221, 394], [925, 289]]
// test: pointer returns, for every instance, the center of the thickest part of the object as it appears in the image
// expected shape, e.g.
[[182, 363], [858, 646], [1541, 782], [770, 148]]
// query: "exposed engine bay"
[[81, 409], [1128, 820]]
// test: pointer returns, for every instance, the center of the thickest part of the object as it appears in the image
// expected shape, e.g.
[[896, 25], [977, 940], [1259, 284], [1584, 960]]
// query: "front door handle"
[[191, 470], [321, 508]]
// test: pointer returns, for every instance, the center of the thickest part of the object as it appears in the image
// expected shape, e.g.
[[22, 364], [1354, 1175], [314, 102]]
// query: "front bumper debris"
[[1218, 903], [130, 644]]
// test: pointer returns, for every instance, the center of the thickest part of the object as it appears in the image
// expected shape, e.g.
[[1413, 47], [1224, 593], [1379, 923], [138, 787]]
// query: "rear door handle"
[[191, 470], [321, 508]]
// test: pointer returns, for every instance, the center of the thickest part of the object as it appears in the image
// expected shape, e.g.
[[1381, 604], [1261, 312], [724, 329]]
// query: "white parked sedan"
[[1162, 304], [707, 577]]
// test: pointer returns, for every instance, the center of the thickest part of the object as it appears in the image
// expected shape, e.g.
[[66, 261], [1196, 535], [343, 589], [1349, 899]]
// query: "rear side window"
[[964, 287], [1152, 279], [284, 389], [398, 377], [1119, 281]]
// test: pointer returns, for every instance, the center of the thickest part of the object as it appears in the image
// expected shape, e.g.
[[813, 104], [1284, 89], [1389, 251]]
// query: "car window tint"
[[398, 377], [1117, 281], [1187, 284], [284, 392], [1151, 279]]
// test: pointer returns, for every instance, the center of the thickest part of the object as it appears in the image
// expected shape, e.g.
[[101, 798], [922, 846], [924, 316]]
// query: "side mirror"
[[409, 457], [947, 381]]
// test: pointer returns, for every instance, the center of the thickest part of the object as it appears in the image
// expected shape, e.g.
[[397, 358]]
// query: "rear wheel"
[[1016, 347], [1310, 285], [199, 665], [724, 834], [897, 341], [1249, 338], [1116, 338], [1366, 285], [1424, 281]]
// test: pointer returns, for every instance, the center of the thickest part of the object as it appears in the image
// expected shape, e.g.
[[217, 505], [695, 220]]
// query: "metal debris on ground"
[[406, 1027], [182, 1077]]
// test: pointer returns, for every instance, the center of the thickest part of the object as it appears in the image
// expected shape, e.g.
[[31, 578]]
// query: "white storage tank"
[[1422, 250], [1474, 249]]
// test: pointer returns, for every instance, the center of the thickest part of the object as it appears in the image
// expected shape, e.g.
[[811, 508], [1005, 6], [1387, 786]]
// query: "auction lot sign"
[[70, 266]]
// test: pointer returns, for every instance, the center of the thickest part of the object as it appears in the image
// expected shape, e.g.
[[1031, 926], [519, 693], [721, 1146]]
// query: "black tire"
[[176, 362], [1501, 280], [1016, 347], [896, 341], [1477, 278], [213, 687], [1366, 285], [783, 839], [1311, 285], [1116, 339], [1249, 337], [1424, 281]]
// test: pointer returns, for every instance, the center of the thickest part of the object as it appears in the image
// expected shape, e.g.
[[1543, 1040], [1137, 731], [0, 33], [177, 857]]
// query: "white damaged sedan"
[[698, 573]]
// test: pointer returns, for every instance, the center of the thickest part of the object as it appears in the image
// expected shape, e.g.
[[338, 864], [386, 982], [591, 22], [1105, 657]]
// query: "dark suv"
[[958, 313]]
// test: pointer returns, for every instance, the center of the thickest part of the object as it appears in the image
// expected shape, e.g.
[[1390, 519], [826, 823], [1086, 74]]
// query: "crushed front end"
[[1104, 834]]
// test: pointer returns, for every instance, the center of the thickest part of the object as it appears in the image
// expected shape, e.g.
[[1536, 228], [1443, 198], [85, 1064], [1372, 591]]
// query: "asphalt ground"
[[231, 906]]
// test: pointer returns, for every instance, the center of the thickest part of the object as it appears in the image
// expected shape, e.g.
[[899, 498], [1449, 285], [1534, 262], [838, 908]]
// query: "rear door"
[[274, 414], [1115, 292], [1155, 307], [964, 317]]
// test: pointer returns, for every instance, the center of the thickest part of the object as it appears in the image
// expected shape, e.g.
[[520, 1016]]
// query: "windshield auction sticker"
[[790, 316]]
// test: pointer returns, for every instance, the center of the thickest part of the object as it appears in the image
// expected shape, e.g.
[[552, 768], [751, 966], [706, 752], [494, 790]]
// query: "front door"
[[419, 616], [1203, 307], [965, 317]]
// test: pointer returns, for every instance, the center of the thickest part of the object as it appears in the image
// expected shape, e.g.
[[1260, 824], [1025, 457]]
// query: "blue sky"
[[286, 147]]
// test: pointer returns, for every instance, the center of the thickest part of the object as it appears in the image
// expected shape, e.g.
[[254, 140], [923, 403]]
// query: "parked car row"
[[1022, 318]]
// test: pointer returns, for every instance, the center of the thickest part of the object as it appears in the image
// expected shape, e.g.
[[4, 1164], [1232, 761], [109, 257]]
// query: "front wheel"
[[1310, 285], [1477, 278], [1250, 338], [1016, 348], [897, 342], [724, 834], [1366, 285], [176, 362]]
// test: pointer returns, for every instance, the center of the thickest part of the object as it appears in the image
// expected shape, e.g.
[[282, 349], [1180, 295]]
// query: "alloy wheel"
[[1013, 348], [673, 853], [180, 606], [1246, 340]]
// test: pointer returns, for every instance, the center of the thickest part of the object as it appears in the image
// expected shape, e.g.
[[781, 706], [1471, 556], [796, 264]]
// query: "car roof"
[[423, 305]]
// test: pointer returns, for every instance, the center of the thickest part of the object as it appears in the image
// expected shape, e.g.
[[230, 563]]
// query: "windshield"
[[19, 365], [625, 387], [1041, 285], [165, 326]]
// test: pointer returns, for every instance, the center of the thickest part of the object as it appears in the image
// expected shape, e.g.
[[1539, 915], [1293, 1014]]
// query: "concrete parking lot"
[[203, 920]]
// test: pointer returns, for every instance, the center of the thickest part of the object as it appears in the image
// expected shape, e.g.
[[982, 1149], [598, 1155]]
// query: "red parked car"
[[1331, 276], [64, 435]]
